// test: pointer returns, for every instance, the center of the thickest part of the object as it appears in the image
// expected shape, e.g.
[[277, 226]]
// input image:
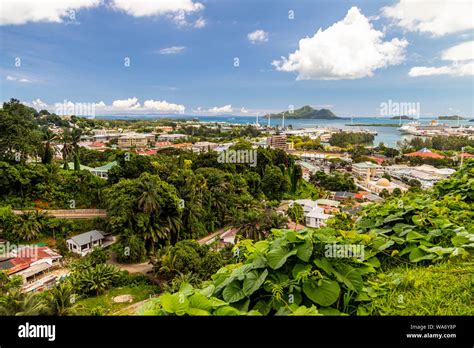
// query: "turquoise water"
[[388, 135]]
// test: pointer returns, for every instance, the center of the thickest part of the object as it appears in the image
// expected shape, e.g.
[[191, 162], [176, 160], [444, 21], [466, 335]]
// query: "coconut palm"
[[63, 299], [30, 225], [18, 303]]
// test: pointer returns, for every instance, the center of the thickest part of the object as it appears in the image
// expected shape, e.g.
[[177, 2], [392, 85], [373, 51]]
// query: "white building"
[[84, 243], [427, 175], [313, 214]]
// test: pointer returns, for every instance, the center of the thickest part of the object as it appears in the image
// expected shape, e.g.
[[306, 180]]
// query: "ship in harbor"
[[434, 128]]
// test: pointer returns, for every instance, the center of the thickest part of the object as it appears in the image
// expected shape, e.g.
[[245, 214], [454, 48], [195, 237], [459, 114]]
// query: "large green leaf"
[[200, 301], [174, 304], [305, 250], [278, 256], [233, 292], [253, 281], [418, 255], [350, 276], [324, 294]]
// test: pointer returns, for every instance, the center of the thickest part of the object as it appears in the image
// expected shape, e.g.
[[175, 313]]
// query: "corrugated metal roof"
[[84, 238]]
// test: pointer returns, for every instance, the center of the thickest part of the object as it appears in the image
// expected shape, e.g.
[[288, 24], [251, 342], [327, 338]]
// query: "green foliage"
[[185, 257], [94, 279], [295, 212], [334, 182], [344, 139]]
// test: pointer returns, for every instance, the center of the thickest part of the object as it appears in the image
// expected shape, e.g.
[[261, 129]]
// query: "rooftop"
[[87, 237]]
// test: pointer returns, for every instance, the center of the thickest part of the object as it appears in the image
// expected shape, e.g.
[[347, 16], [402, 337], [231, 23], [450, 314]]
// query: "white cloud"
[[200, 23], [18, 79], [15, 12], [100, 105], [39, 104], [141, 8], [172, 50], [163, 106], [221, 110], [244, 110], [462, 62], [349, 49], [436, 17], [257, 36], [130, 103]]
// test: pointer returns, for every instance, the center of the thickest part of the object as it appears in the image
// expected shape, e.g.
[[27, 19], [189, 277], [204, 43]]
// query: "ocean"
[[388, 135]]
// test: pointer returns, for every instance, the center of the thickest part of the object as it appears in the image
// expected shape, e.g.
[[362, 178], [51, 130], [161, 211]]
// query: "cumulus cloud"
[[221, 110], [15, 12], [163, 106], [257, 36], [437, 17], [141, 8], [130, 103], [172, 50], [349, 49], [39, 104], [461, 57], [244, 110]]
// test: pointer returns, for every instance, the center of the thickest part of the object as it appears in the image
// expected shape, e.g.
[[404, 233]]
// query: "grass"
[[440, 289], [104, 304]]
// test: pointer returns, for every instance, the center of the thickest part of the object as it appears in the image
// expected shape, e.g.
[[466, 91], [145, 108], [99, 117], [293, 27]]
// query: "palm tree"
[[149, 198], [30, 225], [18, 303], [66, 150], [62, 299], [75, 139], [249, 224], [48, 152]]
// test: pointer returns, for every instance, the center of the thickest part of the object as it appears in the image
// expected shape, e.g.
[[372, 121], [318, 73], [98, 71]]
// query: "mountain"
[[453, 117], [306, 112]]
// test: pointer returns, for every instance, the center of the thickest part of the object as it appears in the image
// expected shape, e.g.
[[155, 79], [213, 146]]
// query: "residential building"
[[204, 146], [308, 169], [31, 263], [343, 195], [313, 214], [279, 142], [84, 243], [367, 170], [133, 140], [171, 137], [101, 172]]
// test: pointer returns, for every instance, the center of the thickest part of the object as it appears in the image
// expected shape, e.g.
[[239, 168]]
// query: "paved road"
[[69, 213]]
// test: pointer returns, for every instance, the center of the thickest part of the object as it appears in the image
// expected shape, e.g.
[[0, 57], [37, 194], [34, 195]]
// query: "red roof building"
[[425, 153]]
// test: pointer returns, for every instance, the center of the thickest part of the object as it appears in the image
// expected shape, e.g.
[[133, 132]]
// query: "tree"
[[274, 183], [295, 212], [48, 151], [18, 303], [30, 225], [75, 139], [62, 299], [94, 279], [384, 193]]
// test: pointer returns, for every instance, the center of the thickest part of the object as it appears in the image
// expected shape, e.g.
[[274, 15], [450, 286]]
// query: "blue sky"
[[364, 55]]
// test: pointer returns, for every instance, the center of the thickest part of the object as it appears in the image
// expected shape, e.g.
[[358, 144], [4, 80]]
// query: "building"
[[279, 142], [308, 169], [204, 146], [367, 170], [32, 263], [84, 243], [171, 137], [343, 195], [383, 184], [314, 215], [101, 172], [427, 175], [424, 153], [132, 140]]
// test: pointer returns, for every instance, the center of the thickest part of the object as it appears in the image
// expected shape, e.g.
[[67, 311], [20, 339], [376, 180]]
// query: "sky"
[[239, 57]]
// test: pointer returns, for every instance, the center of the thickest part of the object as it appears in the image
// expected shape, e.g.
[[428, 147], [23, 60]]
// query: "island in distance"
[[306, 112]]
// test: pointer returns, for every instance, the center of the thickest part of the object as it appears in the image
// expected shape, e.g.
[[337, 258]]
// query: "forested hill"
[[306, 112]]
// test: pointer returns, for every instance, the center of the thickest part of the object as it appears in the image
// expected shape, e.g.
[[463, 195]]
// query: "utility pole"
[[462, 157]]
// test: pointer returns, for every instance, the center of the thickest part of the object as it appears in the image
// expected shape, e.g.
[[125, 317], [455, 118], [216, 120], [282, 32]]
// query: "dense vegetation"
[[292, 273], [306, 112]]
